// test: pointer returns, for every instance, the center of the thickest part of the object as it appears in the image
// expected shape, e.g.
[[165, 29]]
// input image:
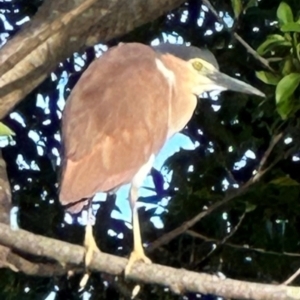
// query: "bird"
[[122, 110]]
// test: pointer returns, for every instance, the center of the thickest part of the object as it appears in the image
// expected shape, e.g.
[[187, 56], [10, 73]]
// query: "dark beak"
[[233, 84]]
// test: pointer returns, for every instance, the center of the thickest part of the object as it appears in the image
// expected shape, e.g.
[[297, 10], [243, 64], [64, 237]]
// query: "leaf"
[[287, 66], [267, 77], [284, 13], [272, 41], [158, 181], [298, 51], [237, 7], [250, 3], [290, 27], [284, 92], [5, 130], [286, 86], [285, 181], [250, 207]]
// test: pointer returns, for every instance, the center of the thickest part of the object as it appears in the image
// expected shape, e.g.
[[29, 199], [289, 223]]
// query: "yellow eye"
[[197, 65]]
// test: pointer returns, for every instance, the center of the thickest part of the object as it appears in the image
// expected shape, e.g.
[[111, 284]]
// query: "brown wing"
[[115, 118]]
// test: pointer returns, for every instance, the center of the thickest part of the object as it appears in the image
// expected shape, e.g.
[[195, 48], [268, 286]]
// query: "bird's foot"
[[134, 257]]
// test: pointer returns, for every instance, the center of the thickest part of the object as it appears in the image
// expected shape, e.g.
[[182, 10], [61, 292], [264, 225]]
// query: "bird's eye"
[[197, 65]]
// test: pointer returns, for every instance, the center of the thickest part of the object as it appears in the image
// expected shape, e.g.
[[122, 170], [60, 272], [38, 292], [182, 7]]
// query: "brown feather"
[[115, 118]]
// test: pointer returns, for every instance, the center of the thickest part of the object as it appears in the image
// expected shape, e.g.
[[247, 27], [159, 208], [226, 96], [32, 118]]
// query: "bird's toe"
[[136, 256]]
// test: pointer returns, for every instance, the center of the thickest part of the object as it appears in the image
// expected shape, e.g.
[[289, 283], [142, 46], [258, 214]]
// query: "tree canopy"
[[229, 207]]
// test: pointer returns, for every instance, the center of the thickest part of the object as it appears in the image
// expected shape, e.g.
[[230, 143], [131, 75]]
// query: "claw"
[[136, 255]]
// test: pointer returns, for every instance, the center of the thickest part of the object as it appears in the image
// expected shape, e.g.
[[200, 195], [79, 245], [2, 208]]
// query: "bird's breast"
[[182, 110]]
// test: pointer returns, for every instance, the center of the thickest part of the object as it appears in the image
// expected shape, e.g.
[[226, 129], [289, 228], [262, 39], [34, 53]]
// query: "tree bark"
[[178, 280], [60, 28], [5, 206]]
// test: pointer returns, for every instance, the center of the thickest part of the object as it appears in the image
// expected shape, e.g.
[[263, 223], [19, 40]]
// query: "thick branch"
[[27, 59], [178, 280]]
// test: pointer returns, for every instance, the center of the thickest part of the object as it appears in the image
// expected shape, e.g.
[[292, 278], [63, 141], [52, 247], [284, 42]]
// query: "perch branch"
[[178, 280]]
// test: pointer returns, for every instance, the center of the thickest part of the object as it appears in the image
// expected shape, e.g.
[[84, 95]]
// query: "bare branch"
[[232, 194], [274, 141], [243, 247], [262, 60], [178, 280], [166, 238], [221, 242], [49, 269], [291, 279]]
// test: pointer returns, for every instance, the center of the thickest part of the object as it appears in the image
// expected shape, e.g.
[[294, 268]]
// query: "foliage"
[[232, 144], [284, 50]]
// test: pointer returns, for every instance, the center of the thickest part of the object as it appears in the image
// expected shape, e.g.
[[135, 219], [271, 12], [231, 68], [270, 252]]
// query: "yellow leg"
[[89, 244], [90, 247], [138, 253]]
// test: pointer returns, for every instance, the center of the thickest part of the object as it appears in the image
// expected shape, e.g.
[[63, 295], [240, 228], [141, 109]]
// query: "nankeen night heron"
[[121, 112]]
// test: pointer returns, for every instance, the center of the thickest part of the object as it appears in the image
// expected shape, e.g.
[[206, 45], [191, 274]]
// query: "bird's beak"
[[228, 83]]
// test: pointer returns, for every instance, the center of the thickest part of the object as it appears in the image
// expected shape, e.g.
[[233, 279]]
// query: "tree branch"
[[262, 60], [219, 242], [292, 278], [178, 280], [49, 269], [166, 238], [27, 59], [242, 247], [232, 194], [11, 260], [275, 139]]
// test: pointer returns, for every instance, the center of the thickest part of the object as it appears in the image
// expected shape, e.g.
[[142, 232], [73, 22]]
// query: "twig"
[[262, 60], [166, 238], [274, 141], [243, 247], [223, 241], [288, 281], [234, 230]]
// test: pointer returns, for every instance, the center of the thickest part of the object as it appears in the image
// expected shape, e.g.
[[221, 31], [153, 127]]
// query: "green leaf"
[[267, 77], [250, 207], [287, 66], [275, 37], [284, 94], [285, 181], [284, 14], [286, 86], [237, 7], [250, 3], [274, 40], [285, 108], [5, 130], [290, 27], [298, 51]]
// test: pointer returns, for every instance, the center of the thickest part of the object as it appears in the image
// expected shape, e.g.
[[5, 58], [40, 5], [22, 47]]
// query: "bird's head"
[[209, 78], [206, 69]]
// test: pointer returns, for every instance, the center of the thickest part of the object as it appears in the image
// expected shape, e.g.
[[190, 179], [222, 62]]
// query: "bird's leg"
[[89, 244], [138, 253]]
